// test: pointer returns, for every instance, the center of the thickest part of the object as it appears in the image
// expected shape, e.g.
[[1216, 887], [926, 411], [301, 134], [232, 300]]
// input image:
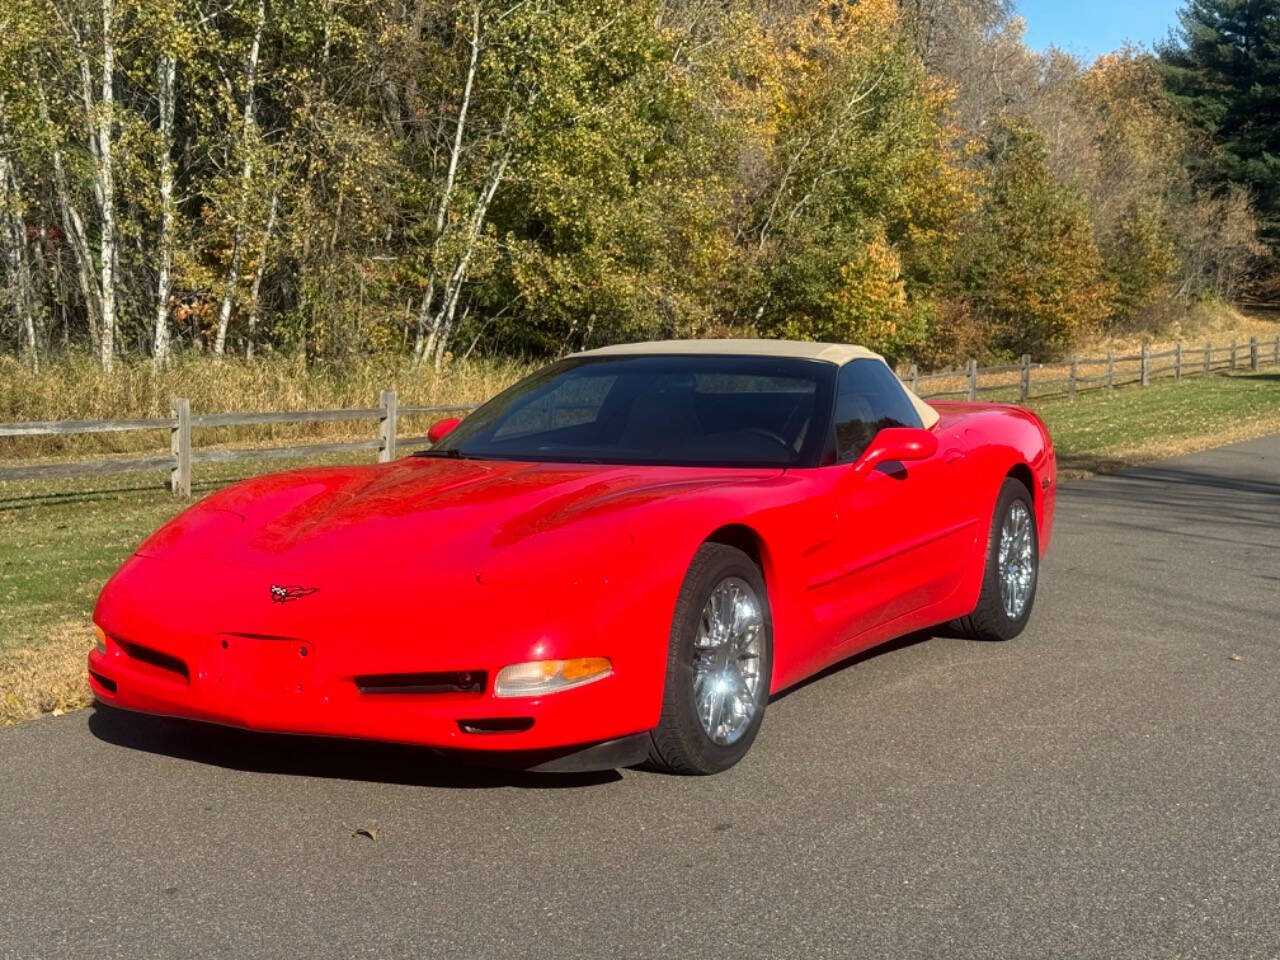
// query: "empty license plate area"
[[253, 669]]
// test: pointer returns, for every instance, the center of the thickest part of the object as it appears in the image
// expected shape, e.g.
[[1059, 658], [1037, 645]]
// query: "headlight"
[[549, 676], [101, 636]]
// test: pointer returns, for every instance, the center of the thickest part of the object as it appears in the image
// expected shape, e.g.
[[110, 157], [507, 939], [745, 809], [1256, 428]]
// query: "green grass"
[[55, 557], [1104, 430], [60, 541]]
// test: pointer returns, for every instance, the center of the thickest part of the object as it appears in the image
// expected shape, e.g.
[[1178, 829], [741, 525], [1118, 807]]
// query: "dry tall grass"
[[49, 679], [1200, 324], [73, 387]]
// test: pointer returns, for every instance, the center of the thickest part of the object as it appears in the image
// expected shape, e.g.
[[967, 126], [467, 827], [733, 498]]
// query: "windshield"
[[660, 410]]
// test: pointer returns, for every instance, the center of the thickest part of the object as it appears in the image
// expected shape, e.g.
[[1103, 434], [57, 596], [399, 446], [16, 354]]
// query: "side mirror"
[[442, 428], [894, 445]]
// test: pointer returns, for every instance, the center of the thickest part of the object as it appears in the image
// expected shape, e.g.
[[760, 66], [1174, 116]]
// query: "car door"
[[899, 527]]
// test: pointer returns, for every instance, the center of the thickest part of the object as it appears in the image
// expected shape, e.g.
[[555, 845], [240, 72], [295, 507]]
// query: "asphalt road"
[[1107, 785]]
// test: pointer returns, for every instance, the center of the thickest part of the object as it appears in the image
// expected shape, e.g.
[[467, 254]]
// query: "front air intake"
[[456, 681], [155, 658], [106, 683]]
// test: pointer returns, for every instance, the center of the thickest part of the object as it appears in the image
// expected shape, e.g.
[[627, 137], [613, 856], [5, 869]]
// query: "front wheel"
[[719, 663], [1012, 569]]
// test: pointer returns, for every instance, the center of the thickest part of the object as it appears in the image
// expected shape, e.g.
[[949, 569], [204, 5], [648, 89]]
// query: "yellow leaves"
[[869, 304]]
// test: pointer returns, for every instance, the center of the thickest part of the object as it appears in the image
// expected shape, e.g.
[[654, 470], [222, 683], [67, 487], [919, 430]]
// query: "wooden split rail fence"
[[184, 454], [1024, 381], [1013, 382]]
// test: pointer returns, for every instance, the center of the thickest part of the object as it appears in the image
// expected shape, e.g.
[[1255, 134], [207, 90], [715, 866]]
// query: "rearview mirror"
[[442, 428], [897, 445]]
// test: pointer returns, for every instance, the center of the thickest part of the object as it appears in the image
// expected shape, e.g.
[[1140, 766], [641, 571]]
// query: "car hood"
[[498, 521]]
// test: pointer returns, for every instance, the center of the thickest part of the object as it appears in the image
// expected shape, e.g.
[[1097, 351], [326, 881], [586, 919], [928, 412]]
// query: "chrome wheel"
[[726, 660], [1017, 560]]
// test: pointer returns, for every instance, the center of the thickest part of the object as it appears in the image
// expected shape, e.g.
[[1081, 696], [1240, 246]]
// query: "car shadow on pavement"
[[303, 756]]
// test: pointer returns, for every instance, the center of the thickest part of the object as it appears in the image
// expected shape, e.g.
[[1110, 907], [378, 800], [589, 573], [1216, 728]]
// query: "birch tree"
[[255, 292], [455, 177], [520, 69], [13, 236], [432, 316], [856, 185], [247, 140], [105, 187], [92, 35], [166, 73]]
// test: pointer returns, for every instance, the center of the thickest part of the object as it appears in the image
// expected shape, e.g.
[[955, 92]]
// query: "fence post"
[[1071, 380], [1275, 354], [1232, 363], [913, 376], [1253, 353], [973, 380], [1111, 370], [1177, 362], [1024, 383], [180, 445], [387, 426], [1146, 365], [1208, 358]]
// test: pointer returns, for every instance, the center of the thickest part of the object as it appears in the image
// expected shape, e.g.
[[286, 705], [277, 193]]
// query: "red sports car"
[[617, 560]]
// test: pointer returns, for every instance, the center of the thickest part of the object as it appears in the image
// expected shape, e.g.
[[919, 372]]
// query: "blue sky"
[[1088, 28]]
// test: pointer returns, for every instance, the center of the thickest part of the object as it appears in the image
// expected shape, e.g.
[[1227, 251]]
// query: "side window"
[[869, 398]]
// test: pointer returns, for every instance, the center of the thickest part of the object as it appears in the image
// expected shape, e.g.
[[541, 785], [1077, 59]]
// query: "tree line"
[[532, 176]]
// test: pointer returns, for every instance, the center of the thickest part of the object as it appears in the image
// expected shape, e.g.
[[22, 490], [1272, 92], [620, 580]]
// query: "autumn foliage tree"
[[435, 177], [851, 181], [1030, 267]]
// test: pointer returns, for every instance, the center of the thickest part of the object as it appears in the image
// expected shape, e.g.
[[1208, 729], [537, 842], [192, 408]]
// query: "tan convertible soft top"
[[837, 353]]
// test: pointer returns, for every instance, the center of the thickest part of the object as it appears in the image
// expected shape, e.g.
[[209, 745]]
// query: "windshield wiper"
[[452, 454]]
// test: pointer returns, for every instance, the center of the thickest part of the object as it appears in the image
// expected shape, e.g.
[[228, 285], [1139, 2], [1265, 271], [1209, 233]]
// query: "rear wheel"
[[1012, 569], [719, 662]]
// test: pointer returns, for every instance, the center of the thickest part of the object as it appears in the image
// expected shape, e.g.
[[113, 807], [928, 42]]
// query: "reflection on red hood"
[[463, 515]]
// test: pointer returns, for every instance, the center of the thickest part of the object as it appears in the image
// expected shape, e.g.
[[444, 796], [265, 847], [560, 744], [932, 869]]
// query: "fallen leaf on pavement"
[[370, 832]]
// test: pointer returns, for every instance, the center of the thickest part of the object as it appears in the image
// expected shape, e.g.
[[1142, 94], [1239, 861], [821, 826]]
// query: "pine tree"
[[1222, 70]]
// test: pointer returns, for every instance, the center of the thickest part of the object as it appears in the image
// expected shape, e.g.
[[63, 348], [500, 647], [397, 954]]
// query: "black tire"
[[989, 620], [680, 744]]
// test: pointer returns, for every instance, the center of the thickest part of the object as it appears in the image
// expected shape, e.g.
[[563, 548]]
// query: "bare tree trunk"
[[259, 271], [246, 173], [106, 186], [442, 323], [99, 121], [424, 342], [165, 73], [13, 232], [424, 311], [73, 228], [28, 307]]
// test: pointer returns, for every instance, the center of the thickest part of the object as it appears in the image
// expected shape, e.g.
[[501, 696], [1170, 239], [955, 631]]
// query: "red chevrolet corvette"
[[617, 560]]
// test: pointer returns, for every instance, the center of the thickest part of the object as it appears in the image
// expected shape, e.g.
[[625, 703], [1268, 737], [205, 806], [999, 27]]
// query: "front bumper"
[[277, 685]]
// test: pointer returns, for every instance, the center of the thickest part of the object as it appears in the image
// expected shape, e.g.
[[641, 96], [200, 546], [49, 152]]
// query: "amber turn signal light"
[[549, 676]]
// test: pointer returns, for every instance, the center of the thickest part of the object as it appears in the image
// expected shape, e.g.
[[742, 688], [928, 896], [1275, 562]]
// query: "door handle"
[[954, 456]]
